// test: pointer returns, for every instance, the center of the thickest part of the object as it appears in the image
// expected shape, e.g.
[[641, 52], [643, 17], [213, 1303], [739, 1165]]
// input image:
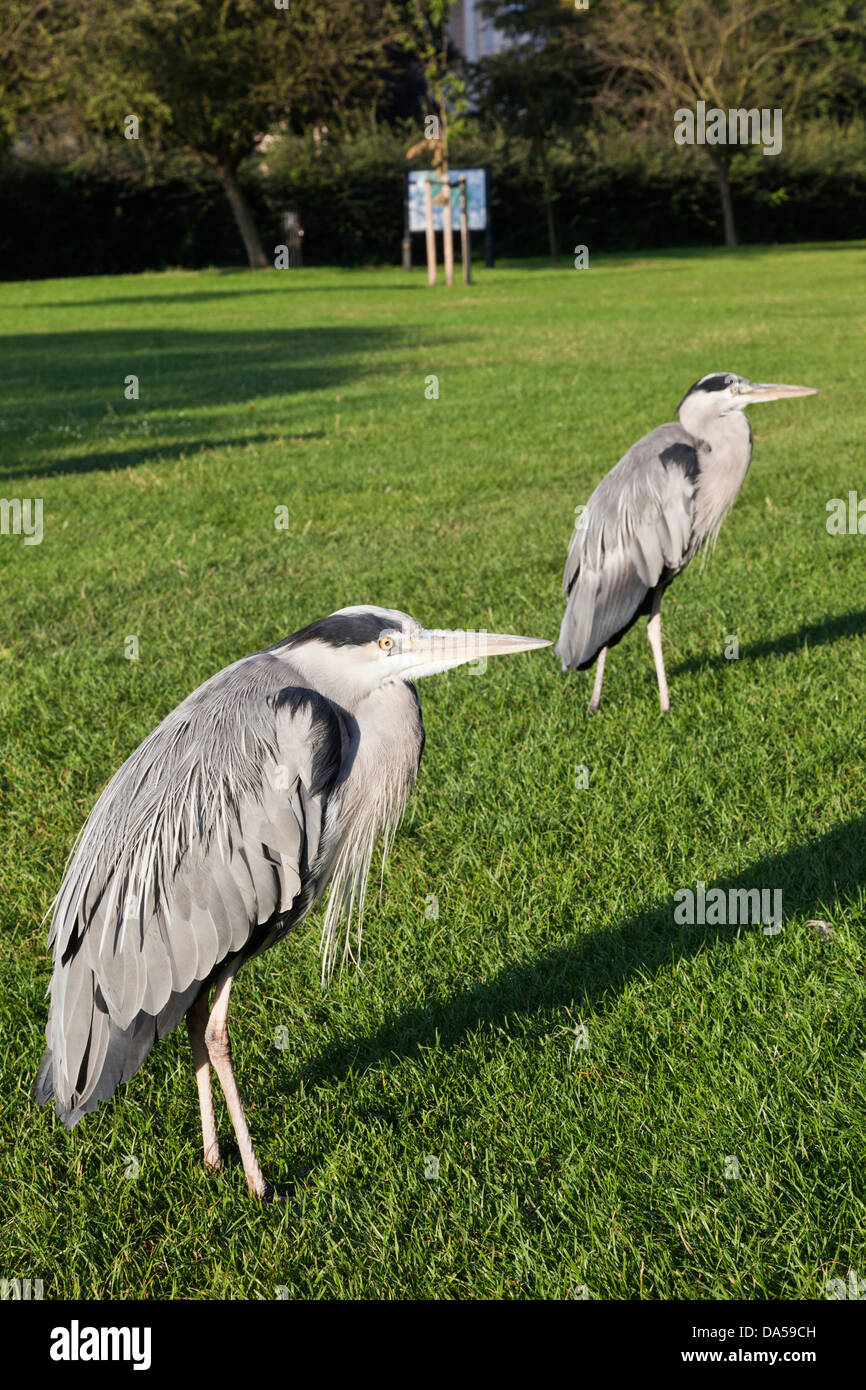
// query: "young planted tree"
[[731, 54], [425, 34], [208, 77]]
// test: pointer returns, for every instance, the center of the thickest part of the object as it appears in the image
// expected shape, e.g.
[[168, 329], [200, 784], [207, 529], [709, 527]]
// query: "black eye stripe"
[[720, 382], [343, 630]]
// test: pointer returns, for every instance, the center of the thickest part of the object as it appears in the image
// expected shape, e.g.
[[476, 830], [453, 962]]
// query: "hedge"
[[612, 195]]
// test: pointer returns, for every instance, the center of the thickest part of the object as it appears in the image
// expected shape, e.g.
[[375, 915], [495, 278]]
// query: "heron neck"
[[324, 669], [725, 452]]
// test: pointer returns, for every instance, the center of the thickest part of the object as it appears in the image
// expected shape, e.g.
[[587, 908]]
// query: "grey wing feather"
[[196, 844], [636, 528]]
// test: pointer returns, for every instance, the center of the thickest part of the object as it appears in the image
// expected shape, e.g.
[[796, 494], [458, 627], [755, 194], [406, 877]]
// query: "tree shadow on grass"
[[829, 629], [815, 879], [199, 296], [152, 455], [199, 375]]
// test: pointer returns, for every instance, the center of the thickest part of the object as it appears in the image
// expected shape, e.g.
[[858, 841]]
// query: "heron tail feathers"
[[43, 1085], [112, 1055]]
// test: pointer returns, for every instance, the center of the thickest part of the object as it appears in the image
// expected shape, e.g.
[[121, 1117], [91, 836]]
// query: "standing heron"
[[217, 836], [646, 519]]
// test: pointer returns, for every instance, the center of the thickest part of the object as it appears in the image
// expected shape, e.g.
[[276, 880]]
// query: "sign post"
[[430, 209]]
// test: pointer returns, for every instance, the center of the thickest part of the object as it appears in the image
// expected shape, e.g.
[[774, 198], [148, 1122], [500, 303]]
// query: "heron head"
[[356, 650], [723, 393]]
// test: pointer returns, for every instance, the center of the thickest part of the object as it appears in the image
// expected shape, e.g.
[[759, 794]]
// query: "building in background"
[[471, 32]]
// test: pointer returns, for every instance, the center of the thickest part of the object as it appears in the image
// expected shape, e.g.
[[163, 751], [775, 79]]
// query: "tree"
[[537, 85], [846, 41], [26, 62], [209, 77], [735, 55]]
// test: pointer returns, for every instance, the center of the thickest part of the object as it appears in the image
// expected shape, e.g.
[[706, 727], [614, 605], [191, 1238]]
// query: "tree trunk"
[[243, 217], [548, 200], [727, 203]]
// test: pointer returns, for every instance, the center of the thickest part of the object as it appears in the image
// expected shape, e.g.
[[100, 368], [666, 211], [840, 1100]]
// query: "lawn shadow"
[[110, 459], [198, 296], [829, 629], [199, 375], [812, 878]]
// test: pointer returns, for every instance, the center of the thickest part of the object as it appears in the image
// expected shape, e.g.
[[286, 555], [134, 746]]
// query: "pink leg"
[[219, 1049], [654, 633], [196, 1023], [599, 677]]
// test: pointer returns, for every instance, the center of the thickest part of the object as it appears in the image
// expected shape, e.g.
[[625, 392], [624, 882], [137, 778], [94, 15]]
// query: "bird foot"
[[263, 1191], [258, 1188], [212, 1159]]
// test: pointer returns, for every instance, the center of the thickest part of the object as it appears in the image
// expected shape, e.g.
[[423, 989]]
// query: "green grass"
[[559, 1168]]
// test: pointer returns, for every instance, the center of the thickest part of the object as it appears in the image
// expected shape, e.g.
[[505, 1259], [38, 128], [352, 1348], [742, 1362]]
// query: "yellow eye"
[[386, 643]]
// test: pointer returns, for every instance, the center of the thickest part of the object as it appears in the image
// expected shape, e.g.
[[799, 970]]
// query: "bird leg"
[[654, 633], [196, 1023], [216, 1036], [599, 677]]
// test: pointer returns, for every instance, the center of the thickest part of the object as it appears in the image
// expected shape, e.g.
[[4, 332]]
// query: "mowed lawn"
[[706, 1141]]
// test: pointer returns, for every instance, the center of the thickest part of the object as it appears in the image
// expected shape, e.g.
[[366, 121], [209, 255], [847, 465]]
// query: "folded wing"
[[210, 841], [635, 533]]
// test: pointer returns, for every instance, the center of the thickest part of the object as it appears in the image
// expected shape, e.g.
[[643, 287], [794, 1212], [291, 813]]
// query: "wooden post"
[[447, 233], [488, 229], [465, 246], [431, 235], [407, 235]]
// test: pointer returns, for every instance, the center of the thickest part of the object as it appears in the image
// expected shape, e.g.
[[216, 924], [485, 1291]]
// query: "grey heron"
[[647, 518], [216, 837]]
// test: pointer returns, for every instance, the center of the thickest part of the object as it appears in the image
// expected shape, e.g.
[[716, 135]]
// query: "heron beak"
[[436, 649], [760, 391]]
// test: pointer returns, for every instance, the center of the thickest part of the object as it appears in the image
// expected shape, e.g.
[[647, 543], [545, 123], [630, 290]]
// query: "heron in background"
[[646, 519], [217, 836]]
